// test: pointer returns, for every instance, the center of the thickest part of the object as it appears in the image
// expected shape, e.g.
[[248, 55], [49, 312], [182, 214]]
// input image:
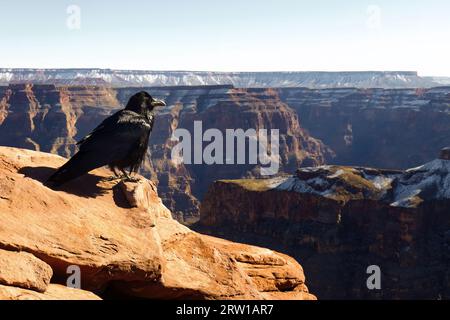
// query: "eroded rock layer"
[[51, 119], [123, 240], [341, 220], [384, 128]]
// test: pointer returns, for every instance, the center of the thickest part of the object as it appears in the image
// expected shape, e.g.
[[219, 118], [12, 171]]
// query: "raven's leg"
[[127, 177], [115, 176]]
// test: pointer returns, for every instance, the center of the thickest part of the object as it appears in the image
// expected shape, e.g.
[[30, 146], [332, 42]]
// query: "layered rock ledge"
[[339, 220], [123, 239]]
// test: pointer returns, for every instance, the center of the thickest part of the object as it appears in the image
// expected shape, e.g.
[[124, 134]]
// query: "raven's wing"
[[107, 124], [111, 141]]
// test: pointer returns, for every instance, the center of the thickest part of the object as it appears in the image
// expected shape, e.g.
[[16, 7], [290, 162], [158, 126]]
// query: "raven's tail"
[[74, 168]]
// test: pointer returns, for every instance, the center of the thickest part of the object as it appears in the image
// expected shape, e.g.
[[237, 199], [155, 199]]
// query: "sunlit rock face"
[[122, 241], [340, 220], [49, 118]]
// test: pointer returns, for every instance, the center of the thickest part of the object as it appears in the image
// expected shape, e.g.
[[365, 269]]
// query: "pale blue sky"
[[251, 35]]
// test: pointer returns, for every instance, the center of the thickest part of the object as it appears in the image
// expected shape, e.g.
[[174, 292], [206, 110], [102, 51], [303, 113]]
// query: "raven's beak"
[[158, 103]]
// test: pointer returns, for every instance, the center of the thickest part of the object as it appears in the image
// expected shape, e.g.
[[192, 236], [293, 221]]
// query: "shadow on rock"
[[84, 186], [119, 197]]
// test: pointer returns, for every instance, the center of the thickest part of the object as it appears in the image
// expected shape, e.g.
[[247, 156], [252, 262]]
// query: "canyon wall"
[[394, 129], [51, 119], [338, 221], [376, 127]]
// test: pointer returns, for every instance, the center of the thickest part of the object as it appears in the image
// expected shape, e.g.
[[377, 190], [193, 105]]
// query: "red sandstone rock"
[[53, 292], [23, 270], [125, 241]]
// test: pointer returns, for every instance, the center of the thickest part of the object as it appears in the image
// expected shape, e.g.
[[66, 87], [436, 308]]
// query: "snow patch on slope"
[[406, 189], [430, 181]]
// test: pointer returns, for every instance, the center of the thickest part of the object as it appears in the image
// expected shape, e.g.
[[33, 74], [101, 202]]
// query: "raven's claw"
[[130, 179], [112, 178]]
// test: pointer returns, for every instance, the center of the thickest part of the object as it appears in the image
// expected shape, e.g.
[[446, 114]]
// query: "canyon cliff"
[[384, 128], [122, 240], [341, 220], [51, 119]]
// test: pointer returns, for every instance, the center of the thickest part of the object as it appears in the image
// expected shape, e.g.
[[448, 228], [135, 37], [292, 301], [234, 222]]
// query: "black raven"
[[120, 142]]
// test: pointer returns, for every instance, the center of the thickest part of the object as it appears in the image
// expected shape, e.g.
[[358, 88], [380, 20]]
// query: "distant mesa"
[[137, 78]]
